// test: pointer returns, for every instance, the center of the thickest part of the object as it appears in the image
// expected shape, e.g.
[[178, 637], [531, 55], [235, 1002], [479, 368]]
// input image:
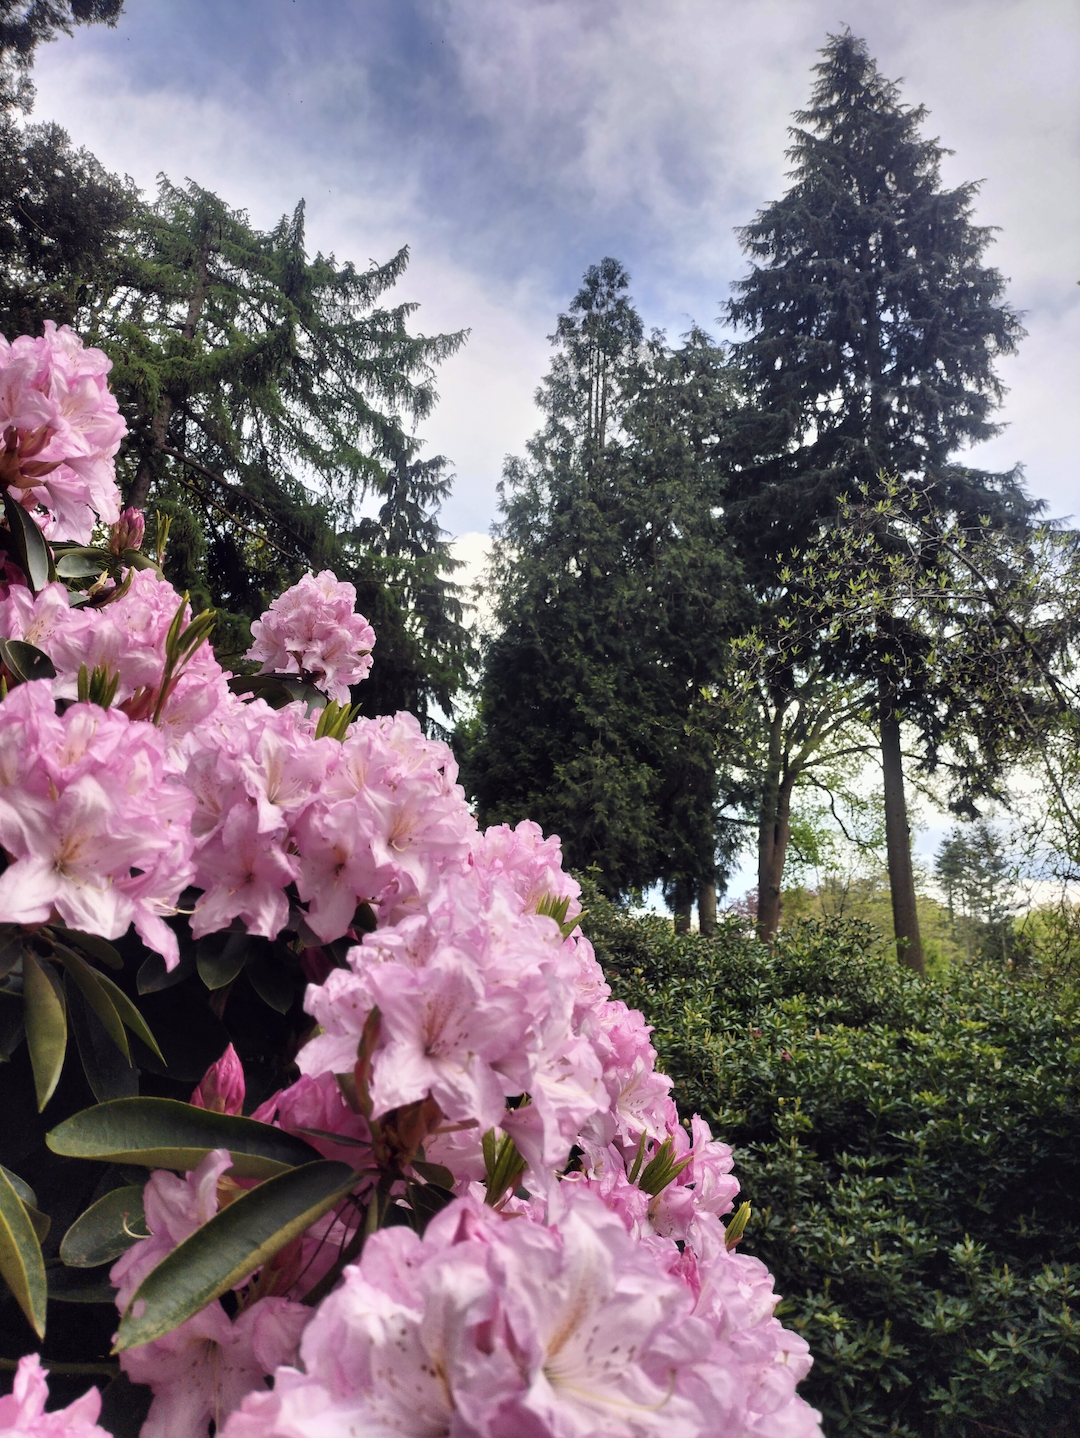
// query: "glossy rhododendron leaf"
[[164, 1133], [220, 957], [21, 1263], [46, 1026], [278, 690], [30, 547], [232, 1245], [109, 1073], [107, 1229], [25, 662]]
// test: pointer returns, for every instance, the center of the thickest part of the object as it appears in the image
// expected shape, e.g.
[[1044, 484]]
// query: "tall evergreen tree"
[[614, 593], [873, 326], [271, 400], [25, 24]]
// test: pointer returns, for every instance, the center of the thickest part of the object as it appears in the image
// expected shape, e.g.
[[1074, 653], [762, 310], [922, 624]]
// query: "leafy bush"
[[912, 1152]]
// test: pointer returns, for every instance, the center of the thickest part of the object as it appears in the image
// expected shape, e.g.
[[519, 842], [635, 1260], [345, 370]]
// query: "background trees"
[[873, 329], [268, 396], [615, 594]]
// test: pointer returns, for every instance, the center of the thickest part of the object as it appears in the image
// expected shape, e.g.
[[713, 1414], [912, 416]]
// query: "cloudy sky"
[[510, 143]]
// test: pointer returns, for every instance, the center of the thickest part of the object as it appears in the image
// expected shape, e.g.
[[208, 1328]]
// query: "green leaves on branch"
[[45, 1004], [164, 1133], [236, 1241], [181, 642]]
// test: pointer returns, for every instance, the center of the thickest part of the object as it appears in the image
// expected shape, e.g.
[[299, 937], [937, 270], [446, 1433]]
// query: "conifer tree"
[[614, 595], [268, 395], [873, 326]]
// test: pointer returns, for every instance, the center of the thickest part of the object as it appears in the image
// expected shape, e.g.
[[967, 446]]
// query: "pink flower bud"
[[128, 531], [222, 1089]]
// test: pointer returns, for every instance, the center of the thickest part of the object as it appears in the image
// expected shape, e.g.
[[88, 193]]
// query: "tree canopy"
[[615, 593]]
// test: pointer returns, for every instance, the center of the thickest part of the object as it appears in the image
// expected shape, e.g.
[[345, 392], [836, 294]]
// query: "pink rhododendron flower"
[[22, 1411], [94, 828], [60, 429], [128, 532], [595, 1298], [312, 630], [222, 1088], [201, 1371], [127, 638]]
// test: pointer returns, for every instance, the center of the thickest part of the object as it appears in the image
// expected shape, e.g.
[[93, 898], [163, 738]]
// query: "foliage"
[[872, 329], [441, 1043], [910, 1150], [615, 594], [874, 324], [25, 24]]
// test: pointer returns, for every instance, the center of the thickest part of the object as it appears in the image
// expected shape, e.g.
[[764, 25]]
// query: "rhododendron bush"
[[471, 1207]]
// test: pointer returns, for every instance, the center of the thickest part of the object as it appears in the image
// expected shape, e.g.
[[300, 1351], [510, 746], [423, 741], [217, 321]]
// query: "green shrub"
[[911, 1149]]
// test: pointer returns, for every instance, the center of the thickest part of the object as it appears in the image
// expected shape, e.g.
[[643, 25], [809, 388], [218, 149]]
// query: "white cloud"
[[512, 142]]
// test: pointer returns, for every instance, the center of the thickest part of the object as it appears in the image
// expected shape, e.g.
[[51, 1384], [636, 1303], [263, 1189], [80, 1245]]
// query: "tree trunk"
[[159, 425], [706, 907], [774, 832], [898, 837], [683, 906]]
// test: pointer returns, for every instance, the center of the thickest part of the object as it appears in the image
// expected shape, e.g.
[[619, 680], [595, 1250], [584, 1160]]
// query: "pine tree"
[[25, 24], [614, 596], [874, 326], [268, 396]]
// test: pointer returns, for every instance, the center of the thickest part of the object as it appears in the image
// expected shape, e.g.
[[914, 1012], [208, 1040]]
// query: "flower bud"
[[222, 1089], [127, 532]]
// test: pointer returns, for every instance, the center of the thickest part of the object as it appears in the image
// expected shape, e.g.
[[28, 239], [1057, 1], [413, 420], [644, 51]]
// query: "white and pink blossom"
[[313, 630]]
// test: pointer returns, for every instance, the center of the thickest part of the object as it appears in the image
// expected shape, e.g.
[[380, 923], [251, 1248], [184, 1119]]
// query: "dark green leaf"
[[83, 563], [426, 1200], [153, 976], [46, 1027], [273, 984], [278, 690], [124, 1407], [21, 1264], [21, 1187], [74, 1285], [12, 944], [232, 1245], [24, 662], [90, 985], [107, 1229], [30, 547], [11, 1024], [109, 1074], [220, 957], [434, 1173], [164, 1133], [92, 945]]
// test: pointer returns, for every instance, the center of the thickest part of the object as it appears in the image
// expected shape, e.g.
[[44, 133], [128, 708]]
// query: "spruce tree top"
[[873, 322]]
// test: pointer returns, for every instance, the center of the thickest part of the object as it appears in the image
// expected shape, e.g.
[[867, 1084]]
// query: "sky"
[[512, 143]]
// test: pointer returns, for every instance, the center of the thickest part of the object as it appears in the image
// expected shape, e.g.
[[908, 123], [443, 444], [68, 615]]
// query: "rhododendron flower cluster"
[[312, 630], [59, 428], [531, 1241], [22, 1411]]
